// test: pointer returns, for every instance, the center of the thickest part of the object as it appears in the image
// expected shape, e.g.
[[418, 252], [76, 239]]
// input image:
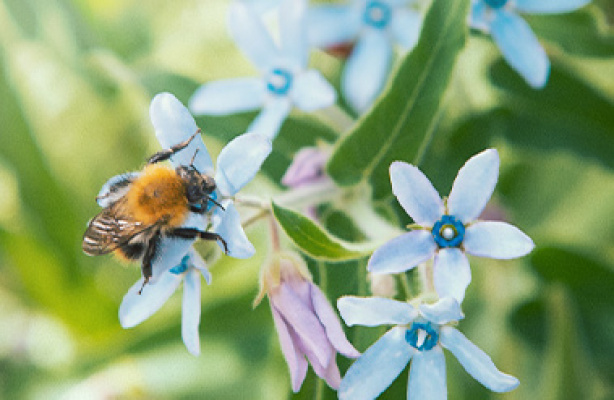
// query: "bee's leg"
[[192, 233], [164, 155], [146, 266]]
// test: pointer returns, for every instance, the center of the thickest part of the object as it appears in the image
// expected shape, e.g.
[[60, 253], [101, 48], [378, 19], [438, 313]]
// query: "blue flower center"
[[422, 336], [181, 267], [279, 81], [377, 14], [448, 232], [495, 3], [211, 204]]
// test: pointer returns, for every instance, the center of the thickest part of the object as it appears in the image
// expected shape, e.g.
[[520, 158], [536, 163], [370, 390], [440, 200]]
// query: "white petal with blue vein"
[[333, 24], [375, 370], [496, 239], [239, 161], [251, 36], [190, 311], [174, 124], [269, 121], [228, 96], [136, 308], [549, 6], [374, 311], [227, 224], [427, 376], [474, 186], [477, 363], [312, 91], [451, 273], [402, 253], [520, 48], [366, 71], [415, 193]]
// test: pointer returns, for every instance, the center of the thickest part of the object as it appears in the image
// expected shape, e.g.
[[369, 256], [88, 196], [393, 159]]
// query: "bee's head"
[[199, 187]]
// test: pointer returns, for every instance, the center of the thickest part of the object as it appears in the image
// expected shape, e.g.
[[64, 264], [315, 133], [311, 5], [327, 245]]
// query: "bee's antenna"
[[193, 158], [216, 203]]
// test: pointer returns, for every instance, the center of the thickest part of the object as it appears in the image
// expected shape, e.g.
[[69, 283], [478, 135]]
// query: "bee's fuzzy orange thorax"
[[158, 195]]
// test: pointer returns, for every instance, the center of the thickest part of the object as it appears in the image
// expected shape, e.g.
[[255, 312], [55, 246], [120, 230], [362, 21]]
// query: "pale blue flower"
[[447, 229], [137, 306], [420, 336], [376, 26], [285, 81], [237, 164], [514, 37]]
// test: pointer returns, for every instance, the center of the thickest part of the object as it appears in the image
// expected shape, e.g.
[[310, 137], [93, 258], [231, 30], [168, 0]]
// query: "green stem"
[[336, 118], [404, 280]]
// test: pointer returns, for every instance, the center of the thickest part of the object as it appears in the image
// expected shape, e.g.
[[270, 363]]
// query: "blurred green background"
[[76, 78]]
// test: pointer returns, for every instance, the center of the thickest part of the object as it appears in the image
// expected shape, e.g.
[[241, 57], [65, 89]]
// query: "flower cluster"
[[445, 231], [514, 37]]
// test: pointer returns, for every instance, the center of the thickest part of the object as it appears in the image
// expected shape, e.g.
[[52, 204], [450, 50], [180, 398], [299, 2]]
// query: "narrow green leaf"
[[400, 125], [314, 240]]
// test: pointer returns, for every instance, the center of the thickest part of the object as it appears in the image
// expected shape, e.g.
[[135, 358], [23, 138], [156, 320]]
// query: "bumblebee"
[[141, 209]]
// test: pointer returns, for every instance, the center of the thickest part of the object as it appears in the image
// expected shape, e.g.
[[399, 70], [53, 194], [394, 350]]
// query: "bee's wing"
[[110, 230], [115, 188]]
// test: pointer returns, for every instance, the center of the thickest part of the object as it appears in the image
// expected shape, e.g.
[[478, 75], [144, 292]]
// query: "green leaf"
[[315, 241], [584, 32], [400, 125]]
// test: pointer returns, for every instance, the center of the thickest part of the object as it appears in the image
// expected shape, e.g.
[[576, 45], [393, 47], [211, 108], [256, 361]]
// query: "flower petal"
[[496, 240], [172, 250], [549, 6], [415, 193], [239, 161], [329, 320], [228, 96], [197, 262], [294, 358], [227, 224], [375, 370], [136, 308], [332, 24], [366, 71], [302, 319], [477, 363], [520, 48], [115, 188], [451, 273], [190, 313], [445, 310], [330, 372], [402, 253], [405, 27], [479, 16], [374, 311], [170, 253], [427, 376], [174, 124], [269, 121], [474, 185], [293, 31], [251, 36], [307, 167], [312, 92]]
